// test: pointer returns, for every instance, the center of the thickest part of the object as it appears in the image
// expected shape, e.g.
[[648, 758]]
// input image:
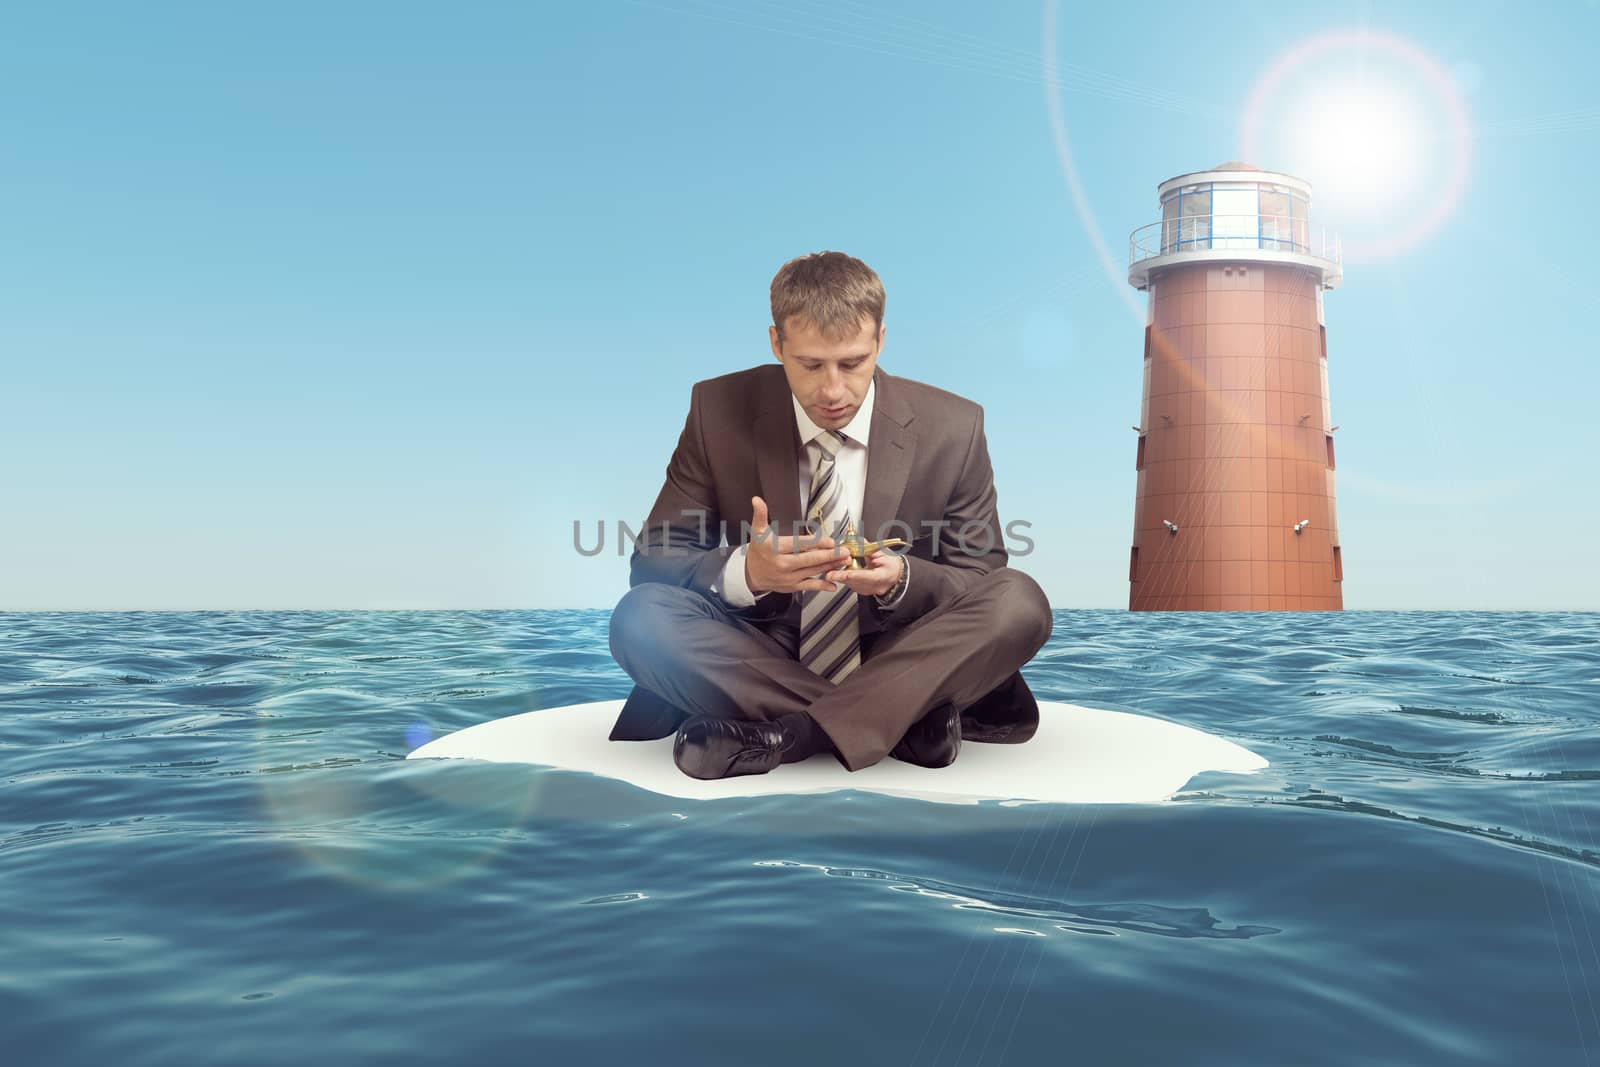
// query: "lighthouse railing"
[[1198, 233]]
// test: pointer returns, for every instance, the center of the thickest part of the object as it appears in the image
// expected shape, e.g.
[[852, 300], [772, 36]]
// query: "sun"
[[1375, 124], [1362, 141]]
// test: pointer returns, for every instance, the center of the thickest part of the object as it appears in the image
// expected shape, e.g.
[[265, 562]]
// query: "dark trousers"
[[694, 653]]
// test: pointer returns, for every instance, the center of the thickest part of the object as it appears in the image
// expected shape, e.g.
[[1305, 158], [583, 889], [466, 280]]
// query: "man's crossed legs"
[[701, 658]]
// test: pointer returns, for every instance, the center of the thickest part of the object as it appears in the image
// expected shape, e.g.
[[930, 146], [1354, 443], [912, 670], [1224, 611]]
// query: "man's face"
[[829, 378]]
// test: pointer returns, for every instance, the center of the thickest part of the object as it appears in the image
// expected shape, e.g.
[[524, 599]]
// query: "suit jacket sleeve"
[[681, 540], [965, 547]]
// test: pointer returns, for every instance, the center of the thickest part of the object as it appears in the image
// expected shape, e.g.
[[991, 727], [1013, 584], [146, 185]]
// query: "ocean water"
[[212, 850]]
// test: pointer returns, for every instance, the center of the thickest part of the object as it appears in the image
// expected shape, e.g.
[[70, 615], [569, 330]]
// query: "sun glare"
[[1375, 124], [1362, 142]]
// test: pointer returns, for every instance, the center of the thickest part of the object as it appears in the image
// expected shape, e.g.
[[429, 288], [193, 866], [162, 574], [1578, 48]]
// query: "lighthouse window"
[[1195, 211], [1275, 220], [1169, 226], [1300, 222], [1235, 218]]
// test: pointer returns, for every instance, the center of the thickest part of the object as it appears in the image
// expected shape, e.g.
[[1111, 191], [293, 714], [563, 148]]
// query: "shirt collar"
[[856, 429]]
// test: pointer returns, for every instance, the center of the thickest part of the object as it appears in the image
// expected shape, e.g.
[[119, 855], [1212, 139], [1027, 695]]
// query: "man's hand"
[[877, 578], [788, 564]]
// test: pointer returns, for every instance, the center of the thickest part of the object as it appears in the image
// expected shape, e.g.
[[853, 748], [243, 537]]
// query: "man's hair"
[[830, 289]]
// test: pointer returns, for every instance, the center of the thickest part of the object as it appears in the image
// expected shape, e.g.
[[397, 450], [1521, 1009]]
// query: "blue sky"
[[361, 305]]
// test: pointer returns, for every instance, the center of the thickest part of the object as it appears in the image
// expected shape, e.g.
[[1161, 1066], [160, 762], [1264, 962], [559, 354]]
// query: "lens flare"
[[1376, 124], [351, 694], [1392, 148], [1115, 269]]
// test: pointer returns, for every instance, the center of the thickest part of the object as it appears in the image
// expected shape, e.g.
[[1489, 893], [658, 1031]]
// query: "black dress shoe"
[[706, 747], [933, 740], [1004, 733]]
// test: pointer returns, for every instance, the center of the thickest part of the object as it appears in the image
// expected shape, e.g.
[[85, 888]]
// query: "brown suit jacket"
[[928, 480]]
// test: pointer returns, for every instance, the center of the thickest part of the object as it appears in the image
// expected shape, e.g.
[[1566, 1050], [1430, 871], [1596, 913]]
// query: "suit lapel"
[[777, 441], [891, 445]]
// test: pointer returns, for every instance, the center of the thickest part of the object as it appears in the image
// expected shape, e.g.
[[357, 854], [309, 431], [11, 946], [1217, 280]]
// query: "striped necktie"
[[830, 637]]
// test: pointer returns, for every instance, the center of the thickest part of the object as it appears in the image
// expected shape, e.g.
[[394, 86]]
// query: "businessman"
[[769, 648]]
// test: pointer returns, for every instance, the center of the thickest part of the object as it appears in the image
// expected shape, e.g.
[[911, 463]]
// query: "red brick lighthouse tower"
[[1234, 508]]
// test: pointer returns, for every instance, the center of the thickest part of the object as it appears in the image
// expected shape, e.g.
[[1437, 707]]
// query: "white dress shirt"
[[849, 465]]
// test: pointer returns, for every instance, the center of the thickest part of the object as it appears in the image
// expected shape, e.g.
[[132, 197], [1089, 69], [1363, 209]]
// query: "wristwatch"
[[887, 600]]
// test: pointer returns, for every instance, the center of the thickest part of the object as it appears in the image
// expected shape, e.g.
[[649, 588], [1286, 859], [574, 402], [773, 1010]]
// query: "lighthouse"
[[1234, 505]]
